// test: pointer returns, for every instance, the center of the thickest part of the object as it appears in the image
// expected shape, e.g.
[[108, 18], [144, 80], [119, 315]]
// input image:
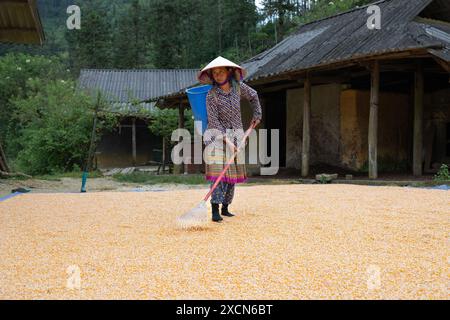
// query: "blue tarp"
[[10, 196], [441, 187]]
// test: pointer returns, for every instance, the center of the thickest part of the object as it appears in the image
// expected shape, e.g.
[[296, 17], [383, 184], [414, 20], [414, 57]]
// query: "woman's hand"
[[231, 145], [255, 122]]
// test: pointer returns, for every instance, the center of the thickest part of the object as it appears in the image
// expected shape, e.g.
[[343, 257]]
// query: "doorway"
[[275, 118]]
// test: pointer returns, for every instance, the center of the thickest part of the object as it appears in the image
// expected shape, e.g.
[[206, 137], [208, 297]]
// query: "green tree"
[[164, 122], [240, 19], [91, 46], [208, 28], [322, 8], [55, 127], [15, 71], [282, 12], [131, 45], [164, 33]]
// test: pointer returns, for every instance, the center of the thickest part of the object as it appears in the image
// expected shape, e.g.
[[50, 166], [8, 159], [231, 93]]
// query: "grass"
[[266, 181], [146, 178], [74, 174], [443, 174]]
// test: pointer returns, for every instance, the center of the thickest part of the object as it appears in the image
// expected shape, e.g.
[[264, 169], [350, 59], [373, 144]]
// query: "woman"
[[224, 112]]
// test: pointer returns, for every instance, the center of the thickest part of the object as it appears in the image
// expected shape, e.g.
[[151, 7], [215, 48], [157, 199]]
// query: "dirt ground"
[[74, 185], [285, 242]]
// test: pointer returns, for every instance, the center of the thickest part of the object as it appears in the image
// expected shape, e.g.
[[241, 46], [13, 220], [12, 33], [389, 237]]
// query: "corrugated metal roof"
[[436, 30], [345, 37], [129, 108], [20, 22], [124, 86]]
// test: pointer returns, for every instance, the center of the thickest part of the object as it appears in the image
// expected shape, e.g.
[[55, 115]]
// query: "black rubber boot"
[[225, 211], [215, 212]]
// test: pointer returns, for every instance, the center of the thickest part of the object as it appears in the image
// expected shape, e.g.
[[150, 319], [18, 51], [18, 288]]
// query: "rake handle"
[[247, 133]]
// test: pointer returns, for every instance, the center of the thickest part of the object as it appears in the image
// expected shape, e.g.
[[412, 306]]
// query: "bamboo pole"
[[92, 146]]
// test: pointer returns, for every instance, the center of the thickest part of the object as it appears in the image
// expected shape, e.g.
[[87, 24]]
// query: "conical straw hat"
[[205, 76]]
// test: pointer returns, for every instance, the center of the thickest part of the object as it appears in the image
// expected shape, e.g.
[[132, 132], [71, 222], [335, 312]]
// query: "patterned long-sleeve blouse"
[[224, 109]]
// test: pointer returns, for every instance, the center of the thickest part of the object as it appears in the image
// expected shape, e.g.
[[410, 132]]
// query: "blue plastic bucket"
[[197, 99]]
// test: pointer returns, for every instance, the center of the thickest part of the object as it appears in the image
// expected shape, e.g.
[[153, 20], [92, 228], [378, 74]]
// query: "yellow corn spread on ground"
[[286, 242]]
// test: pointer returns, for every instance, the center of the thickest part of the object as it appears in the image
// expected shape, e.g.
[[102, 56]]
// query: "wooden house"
[[356, 98], [127, 93]]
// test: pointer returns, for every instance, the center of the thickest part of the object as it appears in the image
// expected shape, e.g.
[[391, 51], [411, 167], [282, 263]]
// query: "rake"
[[198, 216]]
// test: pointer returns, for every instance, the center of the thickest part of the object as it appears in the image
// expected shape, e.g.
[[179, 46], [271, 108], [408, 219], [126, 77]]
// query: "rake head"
[[194, 218]]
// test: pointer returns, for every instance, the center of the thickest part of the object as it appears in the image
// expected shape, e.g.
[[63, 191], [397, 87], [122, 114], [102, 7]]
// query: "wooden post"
[[306, 120], [373, 120], [418, 121], [178, 168], [181, 116], [133, 138], [164, 154]]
